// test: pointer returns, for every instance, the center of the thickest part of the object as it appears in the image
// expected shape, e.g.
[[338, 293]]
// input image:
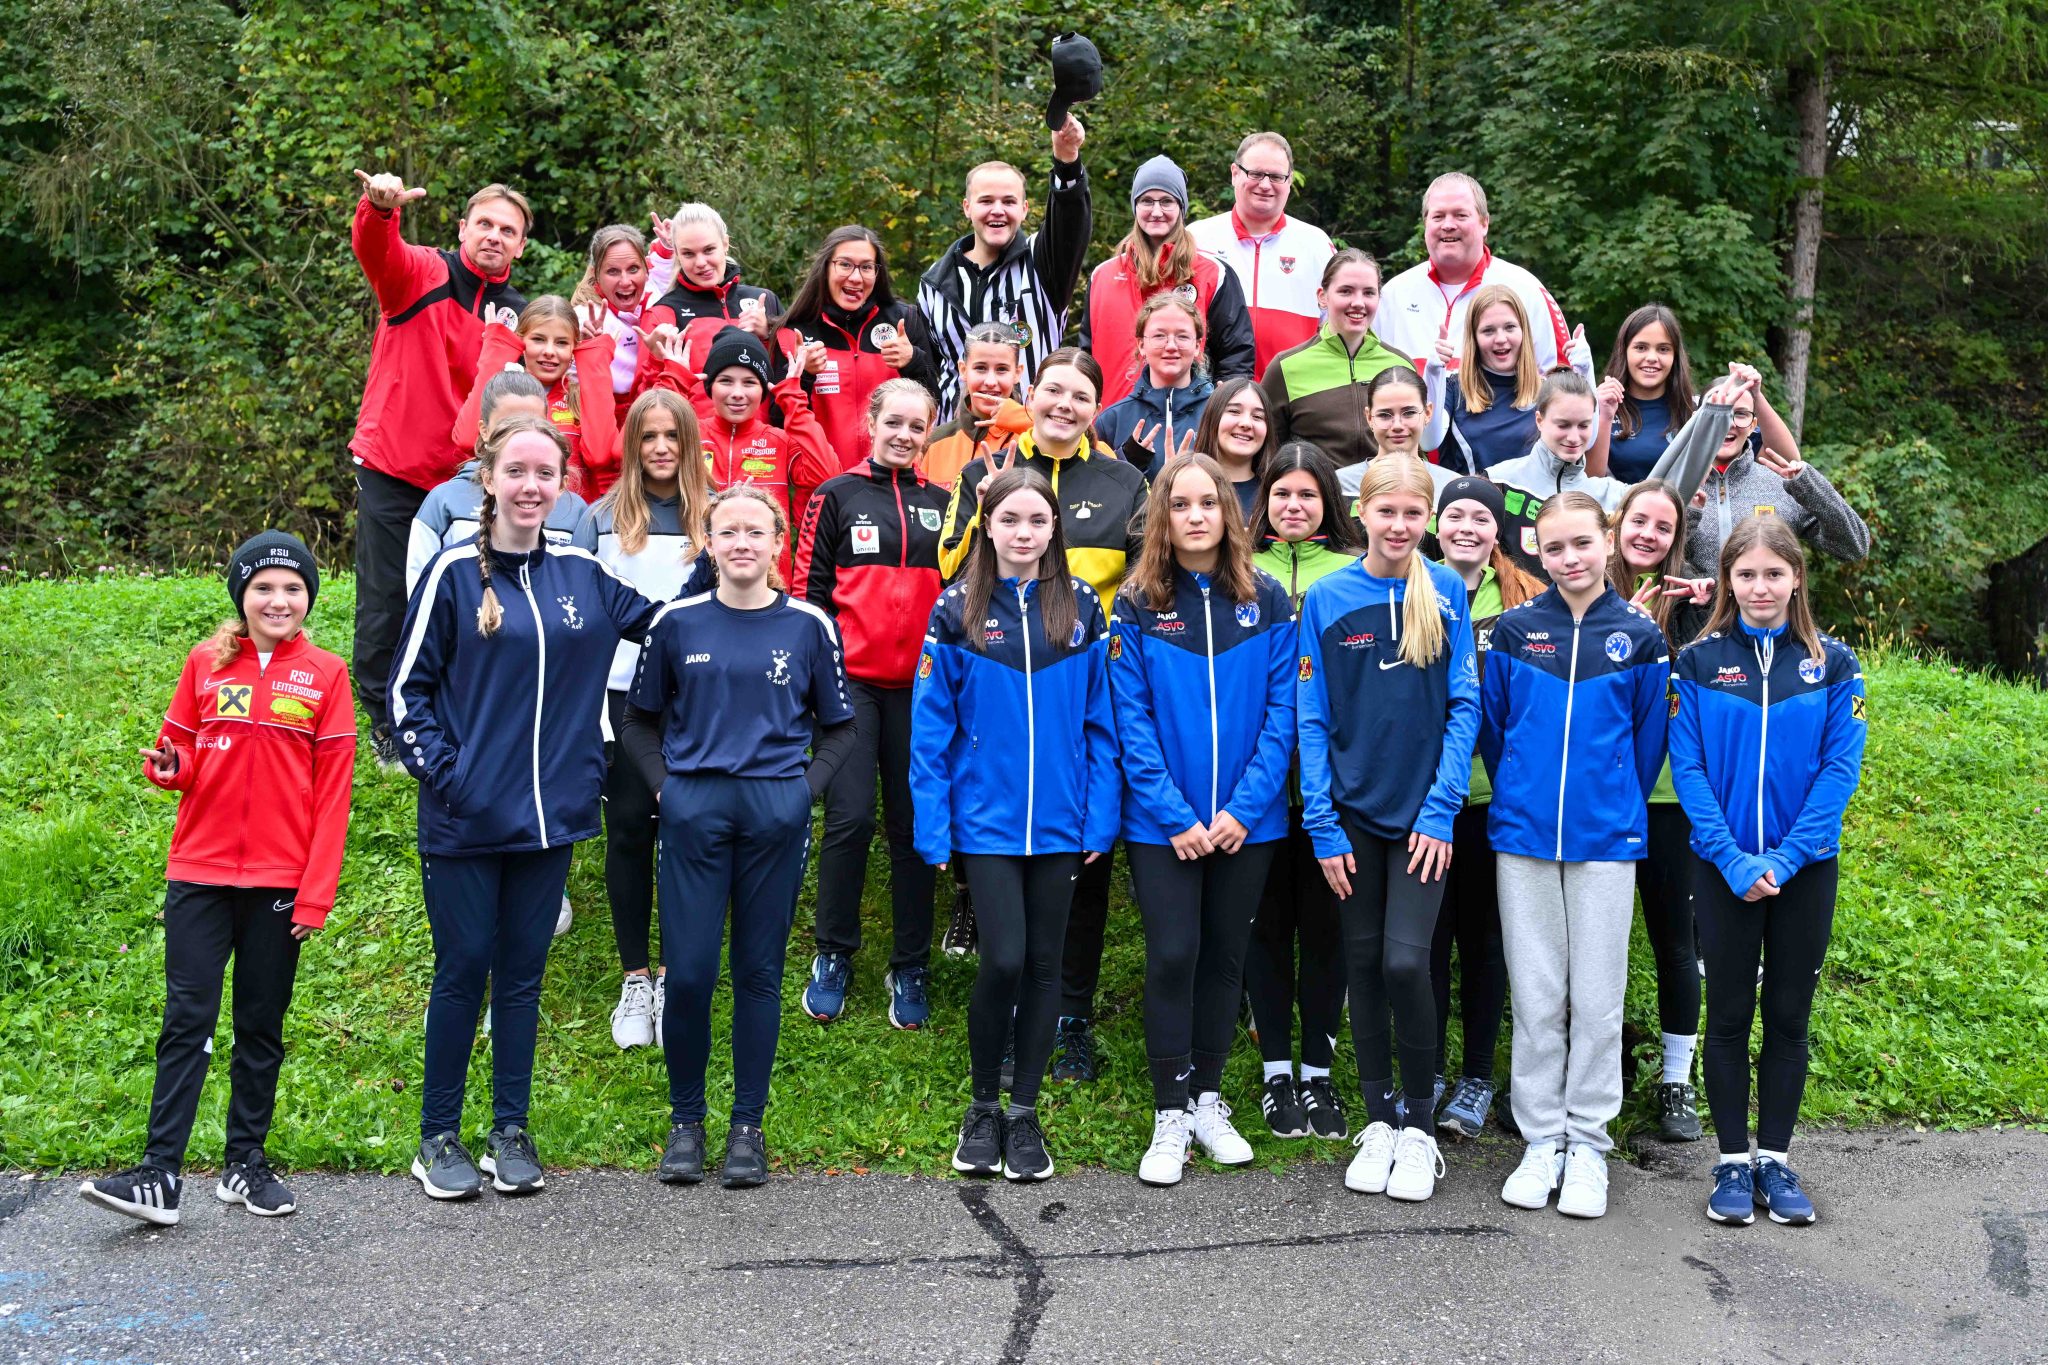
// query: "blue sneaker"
[[1734, 1197], [1777, 1189], [908, 1007], [825, 995], [1464, 1115]]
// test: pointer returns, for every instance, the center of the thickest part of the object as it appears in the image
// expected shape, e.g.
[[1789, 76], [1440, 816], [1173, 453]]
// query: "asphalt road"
[[1928, 1246]]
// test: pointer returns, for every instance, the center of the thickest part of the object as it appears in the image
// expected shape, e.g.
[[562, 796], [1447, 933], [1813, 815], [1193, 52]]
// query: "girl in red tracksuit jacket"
[[730, 396], [869, 555], [570, 353], [869, 337], [260, 744]]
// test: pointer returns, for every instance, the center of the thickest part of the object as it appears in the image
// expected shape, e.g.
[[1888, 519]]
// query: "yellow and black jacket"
[[1102, 512]]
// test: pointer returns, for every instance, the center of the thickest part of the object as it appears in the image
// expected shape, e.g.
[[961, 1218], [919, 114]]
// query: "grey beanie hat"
[[1161, 174]]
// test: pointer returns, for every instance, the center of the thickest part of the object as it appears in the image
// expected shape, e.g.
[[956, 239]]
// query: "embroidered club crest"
[[1248, 614], [1287, 264], [1618, 646], [1812, 670]]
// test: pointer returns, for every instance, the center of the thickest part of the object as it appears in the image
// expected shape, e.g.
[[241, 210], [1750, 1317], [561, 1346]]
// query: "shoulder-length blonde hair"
[[1423, 638], [1151, 581], [555, 308], [1472, 385], [627, 500]]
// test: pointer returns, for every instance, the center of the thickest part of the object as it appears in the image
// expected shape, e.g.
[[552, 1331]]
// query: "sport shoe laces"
[[912, 982]]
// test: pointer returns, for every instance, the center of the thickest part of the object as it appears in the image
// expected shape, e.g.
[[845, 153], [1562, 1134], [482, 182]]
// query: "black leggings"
[[1790, 931], [1297, 902], [1471, 917], [1081, 955], [1198, 922], [1020, 913], [881, 740], [1664, 882], [1388, 921], [631, 822]]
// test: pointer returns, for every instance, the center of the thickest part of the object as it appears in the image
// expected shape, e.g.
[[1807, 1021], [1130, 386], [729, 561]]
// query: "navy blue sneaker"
[[1734, 1196], [908, 1003], [825, 994], [1464, 1114], [1777, 1189]]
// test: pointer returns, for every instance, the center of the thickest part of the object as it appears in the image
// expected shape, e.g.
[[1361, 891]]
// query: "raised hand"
[[589, 319], [1066, 143], [1446, 353], [501, 314], [754, 317], [1786, 467], [897, 351], [809, 358], [163, 760], [386, 191], [664, 230], [1610, 394]]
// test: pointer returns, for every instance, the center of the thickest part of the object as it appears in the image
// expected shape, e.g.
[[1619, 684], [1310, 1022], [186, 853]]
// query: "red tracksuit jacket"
[[870, 556], [432, 307], [593, 437], [265, 759]]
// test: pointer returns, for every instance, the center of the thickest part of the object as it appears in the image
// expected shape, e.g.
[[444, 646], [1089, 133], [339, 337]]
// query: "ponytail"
[[1423, 638]]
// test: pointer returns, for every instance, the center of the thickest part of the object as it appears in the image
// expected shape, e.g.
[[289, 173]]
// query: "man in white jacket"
[[1427, 301]]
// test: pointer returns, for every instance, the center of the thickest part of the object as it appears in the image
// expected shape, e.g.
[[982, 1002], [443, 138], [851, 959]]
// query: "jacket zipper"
[[903, 522], [248, 778], [1030, 721], [1209, 636], [1766, 654], [1565, 754], [540, 638]]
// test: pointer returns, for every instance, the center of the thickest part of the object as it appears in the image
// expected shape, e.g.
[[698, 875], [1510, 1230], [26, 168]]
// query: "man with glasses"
[[1279, 260], [999, 273], [1426, 302]]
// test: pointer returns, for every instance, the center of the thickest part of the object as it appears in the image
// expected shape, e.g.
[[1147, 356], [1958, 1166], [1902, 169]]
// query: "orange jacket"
[[954, 445]]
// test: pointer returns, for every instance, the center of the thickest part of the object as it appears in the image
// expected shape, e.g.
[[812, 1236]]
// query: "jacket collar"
[[882, 473], [291, 648], [462, 254], [510, 561], [1028, 448], [1245, 234], [1187, 395], [1760, 633]]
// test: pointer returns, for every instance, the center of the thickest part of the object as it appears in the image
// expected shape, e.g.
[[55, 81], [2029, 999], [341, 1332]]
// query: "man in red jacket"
[[432, 306]]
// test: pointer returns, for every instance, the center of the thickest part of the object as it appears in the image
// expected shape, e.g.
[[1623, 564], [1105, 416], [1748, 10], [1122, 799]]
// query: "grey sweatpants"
[[1565, 929]]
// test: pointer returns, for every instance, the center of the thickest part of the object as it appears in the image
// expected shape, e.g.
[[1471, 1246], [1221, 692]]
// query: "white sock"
[[1279, 1069], [1779, 1157], [1206, 1099], [1677, 1057], [1314, 1073]]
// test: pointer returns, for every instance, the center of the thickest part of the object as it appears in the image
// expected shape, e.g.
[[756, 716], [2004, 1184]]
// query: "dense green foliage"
[[1934, 1008], [184, 334]]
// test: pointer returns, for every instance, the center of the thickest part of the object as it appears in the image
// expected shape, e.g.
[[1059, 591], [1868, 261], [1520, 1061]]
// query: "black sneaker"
[[511, 1162], [148, 1193], [746, 1158], [1325, 1112], [444, 1170], [980, 1149], [1284, 1114], [1024, 1154], [1678, 1113], [384, 749], [961, 937], [1076, 1058], [682, 1161], [254, 1186]]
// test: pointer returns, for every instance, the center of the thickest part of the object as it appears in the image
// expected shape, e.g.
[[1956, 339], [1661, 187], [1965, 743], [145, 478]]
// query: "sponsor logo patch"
[[867, 540], [1538, 647], [233, 700], [291, 711], [1528, 540], [1855, 709], [1730, 676], [1362, 640], [1307, 671]]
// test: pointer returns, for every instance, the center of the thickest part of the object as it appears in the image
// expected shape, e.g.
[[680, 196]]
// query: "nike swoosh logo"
[[281, 906], [1384, 665]]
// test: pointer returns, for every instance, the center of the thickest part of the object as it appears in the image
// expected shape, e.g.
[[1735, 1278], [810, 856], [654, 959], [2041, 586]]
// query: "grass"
[[1934, 1009]]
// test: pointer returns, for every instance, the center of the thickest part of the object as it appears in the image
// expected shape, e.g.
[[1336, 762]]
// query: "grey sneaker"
[[511, 1161], [444, 1170], [1678, 1113]]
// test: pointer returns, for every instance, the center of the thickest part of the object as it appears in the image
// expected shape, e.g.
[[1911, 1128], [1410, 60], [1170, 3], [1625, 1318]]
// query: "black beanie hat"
[[1471, 489], [736, 346], [271, 550]]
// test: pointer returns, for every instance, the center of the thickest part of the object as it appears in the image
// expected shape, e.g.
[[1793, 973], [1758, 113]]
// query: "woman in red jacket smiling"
[[260, 745]]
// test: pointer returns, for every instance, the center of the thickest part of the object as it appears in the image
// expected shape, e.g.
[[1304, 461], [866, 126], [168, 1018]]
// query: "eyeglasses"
[[1159, 205], [844, 266], [1274, 178], [1742, 419], [733, 535]]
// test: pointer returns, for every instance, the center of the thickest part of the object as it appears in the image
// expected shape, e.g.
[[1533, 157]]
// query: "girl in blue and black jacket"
[[1015, 658], [731, 689], [1201, 644], [1766, 750], [495, 703], [1388, 704], [1573, 735]]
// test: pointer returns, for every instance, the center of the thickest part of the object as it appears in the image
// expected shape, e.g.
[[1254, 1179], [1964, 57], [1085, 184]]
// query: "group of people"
[[1378, 631]]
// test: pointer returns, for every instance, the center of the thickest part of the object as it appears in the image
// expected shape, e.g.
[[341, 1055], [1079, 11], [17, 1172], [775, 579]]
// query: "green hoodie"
[[1316, 393], [1299, 563]]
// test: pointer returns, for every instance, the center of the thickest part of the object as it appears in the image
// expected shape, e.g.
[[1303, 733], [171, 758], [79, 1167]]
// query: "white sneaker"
[[565, 919], [660, 1003], [1417, 1164], [1375, 1160], [1168, 1155], [633, 1019], [1584, 1193], [1210, 1124], [1530, 1186]]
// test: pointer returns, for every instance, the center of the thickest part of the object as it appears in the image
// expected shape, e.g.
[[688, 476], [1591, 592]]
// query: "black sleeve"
[[640, 737], [1232, 350], [828, 750], [1062, 242]]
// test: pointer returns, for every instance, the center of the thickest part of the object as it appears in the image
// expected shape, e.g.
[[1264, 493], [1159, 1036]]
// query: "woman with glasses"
[[868, 337], [1758, 470], [1156, 257]]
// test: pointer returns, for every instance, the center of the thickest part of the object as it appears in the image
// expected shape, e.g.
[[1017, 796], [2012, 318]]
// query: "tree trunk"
[[1807, 84], [2016, 605]]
